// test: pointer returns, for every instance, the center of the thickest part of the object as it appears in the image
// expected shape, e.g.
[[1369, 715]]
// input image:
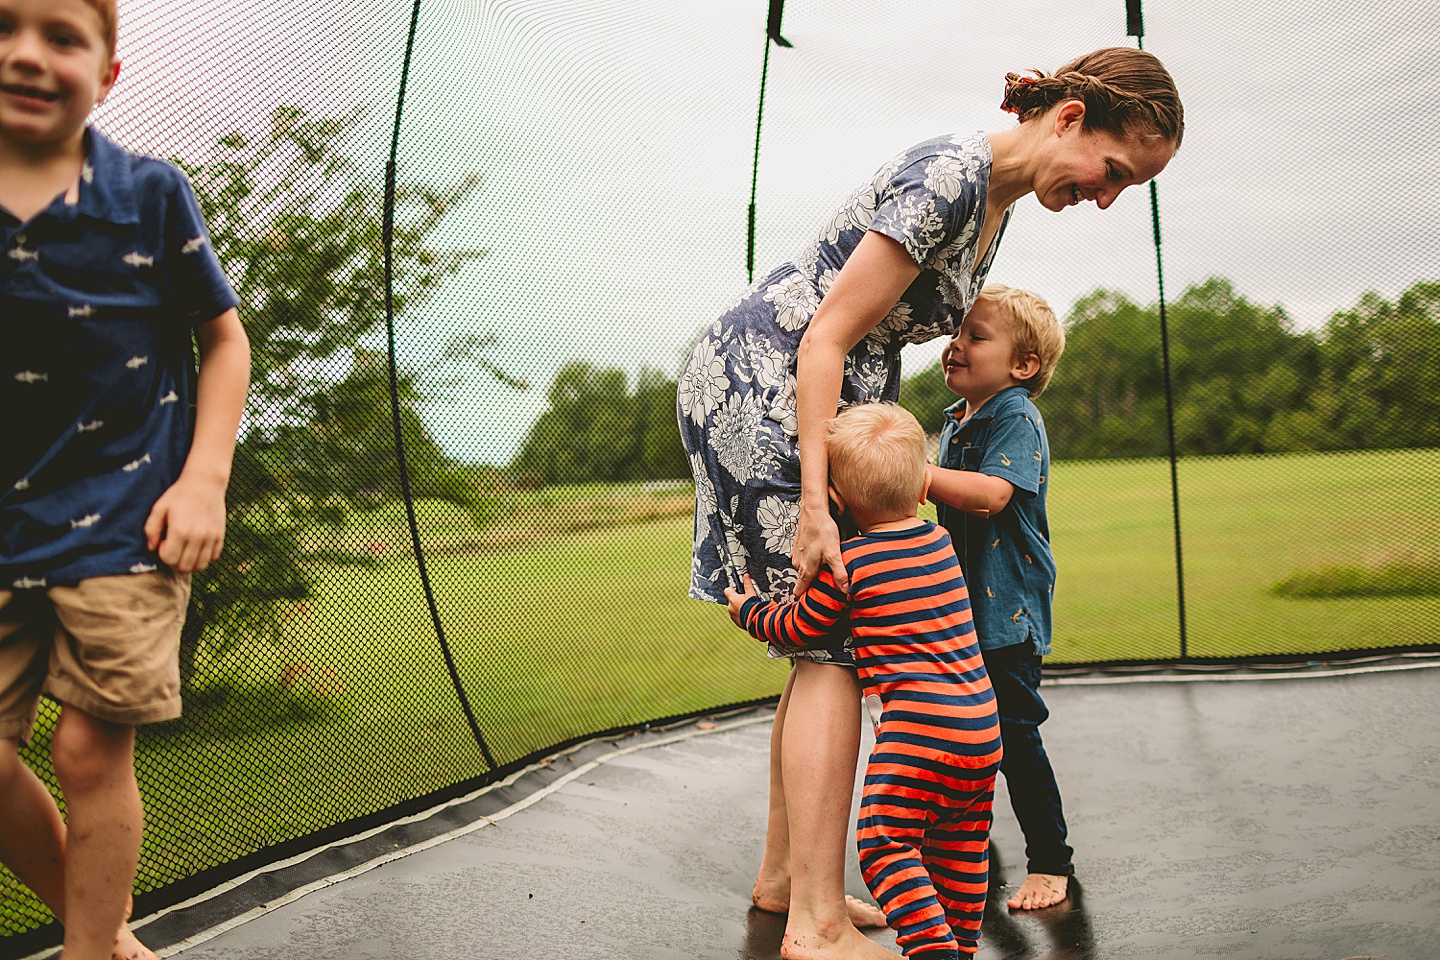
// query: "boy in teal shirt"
[[989, 488]]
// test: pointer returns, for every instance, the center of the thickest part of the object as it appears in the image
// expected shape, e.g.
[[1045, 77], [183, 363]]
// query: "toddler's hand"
[[736, 599]]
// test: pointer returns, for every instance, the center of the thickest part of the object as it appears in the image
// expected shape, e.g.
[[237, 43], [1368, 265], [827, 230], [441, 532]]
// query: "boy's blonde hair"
[[1034, 327], [109, 22], [877, 458]]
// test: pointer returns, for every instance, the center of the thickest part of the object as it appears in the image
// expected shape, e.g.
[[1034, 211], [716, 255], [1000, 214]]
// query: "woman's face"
[[1081, 164]]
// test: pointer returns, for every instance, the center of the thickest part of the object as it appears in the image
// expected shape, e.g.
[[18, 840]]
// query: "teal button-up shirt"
[[1006, 558]]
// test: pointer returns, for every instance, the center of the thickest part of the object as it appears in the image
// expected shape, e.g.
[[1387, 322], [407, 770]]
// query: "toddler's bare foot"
[[1039, 890], [773, 896], [129, 948]]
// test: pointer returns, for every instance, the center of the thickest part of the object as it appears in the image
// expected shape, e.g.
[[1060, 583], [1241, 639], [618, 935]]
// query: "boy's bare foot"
[[1039, 890], [129, 948], [847, 944], [774, 897]]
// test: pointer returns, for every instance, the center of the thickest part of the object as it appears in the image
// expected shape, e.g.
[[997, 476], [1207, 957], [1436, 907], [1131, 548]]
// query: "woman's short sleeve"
[[926, 199]]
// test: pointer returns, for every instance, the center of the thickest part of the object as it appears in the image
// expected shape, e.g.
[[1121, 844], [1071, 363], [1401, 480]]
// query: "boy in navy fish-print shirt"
[[114, 456]]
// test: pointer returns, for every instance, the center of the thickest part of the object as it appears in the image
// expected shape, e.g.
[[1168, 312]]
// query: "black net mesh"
[[571, 196]]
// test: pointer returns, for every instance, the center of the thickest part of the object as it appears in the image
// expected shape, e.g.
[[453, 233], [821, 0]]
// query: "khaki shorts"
[[109, 646]]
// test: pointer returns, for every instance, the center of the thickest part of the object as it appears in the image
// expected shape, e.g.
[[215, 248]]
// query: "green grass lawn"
[[562, 627], [1247, 523]]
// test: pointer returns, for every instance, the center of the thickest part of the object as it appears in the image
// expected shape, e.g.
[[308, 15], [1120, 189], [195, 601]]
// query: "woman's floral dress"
[[736, 397]]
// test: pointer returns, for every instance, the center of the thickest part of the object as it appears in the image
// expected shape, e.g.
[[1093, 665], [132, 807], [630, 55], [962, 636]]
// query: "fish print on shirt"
[[193, 245], [22, 484], [136, 259], [134, 465], [87, 172], [143, 567], [89, 520], [135, 363], [90, 427], [85, 311], [170, 397], [28, 583], [30, 376], [21, 254]]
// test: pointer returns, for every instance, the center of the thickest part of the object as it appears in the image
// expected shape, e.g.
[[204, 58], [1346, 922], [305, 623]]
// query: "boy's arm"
[[798, 623], [967, 490], [187, 523]]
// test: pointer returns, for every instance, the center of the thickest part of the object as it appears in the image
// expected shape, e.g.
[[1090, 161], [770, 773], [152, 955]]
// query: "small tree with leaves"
[[299, 230]]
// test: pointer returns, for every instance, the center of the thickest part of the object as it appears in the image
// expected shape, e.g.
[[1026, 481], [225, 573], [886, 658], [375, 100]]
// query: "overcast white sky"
[[616, 136]]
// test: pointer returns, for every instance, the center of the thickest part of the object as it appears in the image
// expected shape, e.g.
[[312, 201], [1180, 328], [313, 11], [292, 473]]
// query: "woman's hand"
[[817, 544]]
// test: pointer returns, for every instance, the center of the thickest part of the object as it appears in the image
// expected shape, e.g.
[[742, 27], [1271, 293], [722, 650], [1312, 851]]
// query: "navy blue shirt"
[[1005, 558], [99, 294]]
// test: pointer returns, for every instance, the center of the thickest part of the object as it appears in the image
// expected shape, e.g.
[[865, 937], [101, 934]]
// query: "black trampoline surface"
[[1283, 818]]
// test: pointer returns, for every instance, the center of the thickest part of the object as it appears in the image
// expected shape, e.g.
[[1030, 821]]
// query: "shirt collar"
[[990, 408], [106, 187]]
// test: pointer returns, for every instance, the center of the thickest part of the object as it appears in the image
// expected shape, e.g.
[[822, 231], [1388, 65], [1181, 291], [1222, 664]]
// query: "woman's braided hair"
[[1126, 92]]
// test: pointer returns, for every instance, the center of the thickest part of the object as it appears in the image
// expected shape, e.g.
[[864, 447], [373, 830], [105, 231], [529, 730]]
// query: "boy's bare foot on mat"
[[1039, 890], [772, 899], [129, 948]]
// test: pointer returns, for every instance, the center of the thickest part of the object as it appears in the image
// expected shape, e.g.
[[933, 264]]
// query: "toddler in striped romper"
[[924, 830]]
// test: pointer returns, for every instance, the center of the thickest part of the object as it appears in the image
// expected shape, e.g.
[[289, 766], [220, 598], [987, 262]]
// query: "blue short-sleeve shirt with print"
[[99, 294], [1006, 558]]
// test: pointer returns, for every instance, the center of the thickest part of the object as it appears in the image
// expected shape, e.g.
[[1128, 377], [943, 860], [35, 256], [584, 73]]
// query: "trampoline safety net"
[[570, 202]]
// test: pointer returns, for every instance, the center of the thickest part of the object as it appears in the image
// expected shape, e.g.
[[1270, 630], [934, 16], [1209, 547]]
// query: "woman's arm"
[[867, 287]]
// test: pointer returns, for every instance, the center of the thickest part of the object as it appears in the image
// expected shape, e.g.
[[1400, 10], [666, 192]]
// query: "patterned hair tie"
[[1013, 80]]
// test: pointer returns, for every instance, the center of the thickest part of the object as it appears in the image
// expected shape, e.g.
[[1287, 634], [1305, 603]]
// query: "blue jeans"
[[1034, 796]]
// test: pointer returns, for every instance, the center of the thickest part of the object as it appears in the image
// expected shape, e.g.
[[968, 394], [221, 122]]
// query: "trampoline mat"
[[1283, 818]]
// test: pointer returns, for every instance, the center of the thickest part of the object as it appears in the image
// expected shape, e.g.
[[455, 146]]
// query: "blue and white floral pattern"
[[736, 397]]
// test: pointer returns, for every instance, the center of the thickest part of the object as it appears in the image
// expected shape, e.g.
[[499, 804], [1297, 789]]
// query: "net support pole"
[[772, 36], [1135, 27], [387, 239]]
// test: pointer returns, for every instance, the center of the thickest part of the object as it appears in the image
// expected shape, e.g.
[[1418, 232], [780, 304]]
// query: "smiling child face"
[[979, 361], [55, 66]]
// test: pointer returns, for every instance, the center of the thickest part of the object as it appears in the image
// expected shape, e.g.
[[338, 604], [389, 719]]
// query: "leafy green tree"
[[599, 430], [299, 229]]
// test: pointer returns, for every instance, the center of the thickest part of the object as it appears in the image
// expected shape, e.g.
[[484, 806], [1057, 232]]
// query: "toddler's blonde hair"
[[1034, 327], [877, 458]]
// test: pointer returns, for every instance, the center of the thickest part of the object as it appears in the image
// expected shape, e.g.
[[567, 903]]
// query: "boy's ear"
[[107, 80], [835, 498], [1025, 367]]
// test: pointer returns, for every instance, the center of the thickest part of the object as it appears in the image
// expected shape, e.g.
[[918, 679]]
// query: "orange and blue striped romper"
[[924, 830]]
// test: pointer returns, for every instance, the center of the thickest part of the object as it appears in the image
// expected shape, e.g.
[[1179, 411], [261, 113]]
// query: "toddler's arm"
[[799, 623], [967, 490], [187, 523]]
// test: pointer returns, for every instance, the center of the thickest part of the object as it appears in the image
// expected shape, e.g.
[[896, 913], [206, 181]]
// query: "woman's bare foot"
[[846, 944], [864, 915], [1039, 890], [774, 897]]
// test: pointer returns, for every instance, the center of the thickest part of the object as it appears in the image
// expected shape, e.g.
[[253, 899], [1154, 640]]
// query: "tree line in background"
[[1244, 381]]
